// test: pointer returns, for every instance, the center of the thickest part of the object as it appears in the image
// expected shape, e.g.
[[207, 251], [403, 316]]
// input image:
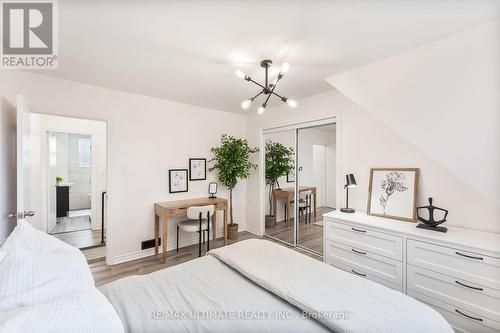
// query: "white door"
[[23, 160]]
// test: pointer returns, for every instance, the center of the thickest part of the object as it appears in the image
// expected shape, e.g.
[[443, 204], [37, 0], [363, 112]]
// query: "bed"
[[250, 286]]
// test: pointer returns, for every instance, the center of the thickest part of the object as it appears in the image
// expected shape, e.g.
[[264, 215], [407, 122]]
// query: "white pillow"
[[46, 286], [31, 239]]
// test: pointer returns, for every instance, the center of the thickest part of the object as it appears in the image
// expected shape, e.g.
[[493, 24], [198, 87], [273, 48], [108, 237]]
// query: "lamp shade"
[[350, 181]]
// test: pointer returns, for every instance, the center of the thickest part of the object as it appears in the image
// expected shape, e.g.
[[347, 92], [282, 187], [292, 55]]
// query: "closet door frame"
[[262, 186]]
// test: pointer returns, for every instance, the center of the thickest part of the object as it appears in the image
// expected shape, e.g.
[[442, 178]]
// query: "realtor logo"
[[28, 35]]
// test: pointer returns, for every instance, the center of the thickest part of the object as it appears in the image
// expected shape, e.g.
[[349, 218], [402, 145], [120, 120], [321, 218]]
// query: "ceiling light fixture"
[[267, 88]]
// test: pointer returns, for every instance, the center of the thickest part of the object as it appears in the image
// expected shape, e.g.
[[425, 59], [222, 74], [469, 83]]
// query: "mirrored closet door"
[[300, 179], [316, 183], [279, 159]]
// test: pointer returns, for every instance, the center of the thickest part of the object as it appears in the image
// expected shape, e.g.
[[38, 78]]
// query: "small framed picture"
[[197, 168], [177, 180], [392, 193], [290, 177]]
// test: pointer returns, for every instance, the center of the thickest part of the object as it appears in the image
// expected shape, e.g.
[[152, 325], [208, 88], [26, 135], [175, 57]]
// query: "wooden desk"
[[178, 208], [287, 193]]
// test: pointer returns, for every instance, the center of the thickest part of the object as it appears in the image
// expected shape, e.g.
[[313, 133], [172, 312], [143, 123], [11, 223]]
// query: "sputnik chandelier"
[[267, 88]]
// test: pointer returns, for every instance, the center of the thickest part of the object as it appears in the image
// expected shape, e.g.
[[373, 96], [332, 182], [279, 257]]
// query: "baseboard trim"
[[149, 252], [252, 230]]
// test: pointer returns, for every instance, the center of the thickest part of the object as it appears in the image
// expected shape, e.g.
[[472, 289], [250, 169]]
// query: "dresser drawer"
[[464, 294], [461, 320], [366, 262], [373, 241], [469, 266], [353, 268]]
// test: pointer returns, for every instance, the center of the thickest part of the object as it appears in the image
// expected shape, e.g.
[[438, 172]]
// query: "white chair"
[[198, 221], [305, 200], [305, 204]]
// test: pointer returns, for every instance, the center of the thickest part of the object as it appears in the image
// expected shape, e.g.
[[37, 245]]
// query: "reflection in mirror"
[[280, 181], [316, 178]]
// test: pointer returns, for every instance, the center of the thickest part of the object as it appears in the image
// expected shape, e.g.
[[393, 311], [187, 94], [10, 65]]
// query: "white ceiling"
[[187, 51]]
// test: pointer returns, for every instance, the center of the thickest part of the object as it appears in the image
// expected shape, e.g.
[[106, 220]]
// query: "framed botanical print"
[[392, 193], [197, 168], [177, 180]]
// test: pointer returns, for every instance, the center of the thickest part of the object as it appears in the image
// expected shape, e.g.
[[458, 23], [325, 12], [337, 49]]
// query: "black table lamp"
[[212, 190], [350, 183]]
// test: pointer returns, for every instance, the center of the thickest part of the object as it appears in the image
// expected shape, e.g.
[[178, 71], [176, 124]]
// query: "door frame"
[[107, 216], [262, 187]]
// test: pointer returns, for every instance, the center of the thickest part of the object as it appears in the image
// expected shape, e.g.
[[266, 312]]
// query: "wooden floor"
[[310, 235], [67, 224], [82, 238], [103, 273]]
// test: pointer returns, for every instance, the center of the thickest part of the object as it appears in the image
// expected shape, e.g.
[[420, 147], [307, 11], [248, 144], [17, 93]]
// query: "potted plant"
[[232, 162], [59, 179], [279, 161]]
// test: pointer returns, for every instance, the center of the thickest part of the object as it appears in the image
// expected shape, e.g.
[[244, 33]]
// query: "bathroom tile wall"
[[79, 193]]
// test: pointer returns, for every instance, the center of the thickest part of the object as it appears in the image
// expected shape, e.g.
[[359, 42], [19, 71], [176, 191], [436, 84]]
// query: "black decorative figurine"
[[431, 224]]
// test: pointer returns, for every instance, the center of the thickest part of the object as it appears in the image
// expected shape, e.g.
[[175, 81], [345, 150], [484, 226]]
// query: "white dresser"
[[457, 273]]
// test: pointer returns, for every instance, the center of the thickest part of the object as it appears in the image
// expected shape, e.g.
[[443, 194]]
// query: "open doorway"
[[69, 178]]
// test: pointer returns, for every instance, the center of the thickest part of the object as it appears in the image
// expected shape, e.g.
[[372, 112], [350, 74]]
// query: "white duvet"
[[259, 286], [323, 291]]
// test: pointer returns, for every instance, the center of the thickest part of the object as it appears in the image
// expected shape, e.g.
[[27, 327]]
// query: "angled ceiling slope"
[[443, 98]]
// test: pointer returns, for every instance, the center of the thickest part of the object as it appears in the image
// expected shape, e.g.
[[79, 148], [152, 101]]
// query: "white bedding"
[[202, 285], [259, 278], [46, 286], [321, 289]]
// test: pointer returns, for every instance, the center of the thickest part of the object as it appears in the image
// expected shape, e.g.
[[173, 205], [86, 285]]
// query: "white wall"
[[444, 98], [331, 175], [319, 173], [7, 166], [308, 140], [367, 142], [81, 177], [146, 137]]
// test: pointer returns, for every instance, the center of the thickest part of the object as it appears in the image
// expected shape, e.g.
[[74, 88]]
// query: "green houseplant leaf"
[[232, 162], [279, 161]]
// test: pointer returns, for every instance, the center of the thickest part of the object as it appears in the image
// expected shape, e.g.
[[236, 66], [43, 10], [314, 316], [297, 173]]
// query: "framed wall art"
[[392, 193], [197, 169], [177, 180]]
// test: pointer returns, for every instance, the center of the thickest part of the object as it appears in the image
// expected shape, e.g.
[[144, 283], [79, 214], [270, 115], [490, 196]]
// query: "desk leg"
[[157, 233], [226, 217], [288, 211], [315, 206], [214, 226], [165, 237], [274, 203]]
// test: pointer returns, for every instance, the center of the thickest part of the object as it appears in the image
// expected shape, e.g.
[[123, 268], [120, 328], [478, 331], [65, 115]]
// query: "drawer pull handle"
[[471, 287], [358, 252], [470, 317], [467, 256], [360, 274], [358, 230]]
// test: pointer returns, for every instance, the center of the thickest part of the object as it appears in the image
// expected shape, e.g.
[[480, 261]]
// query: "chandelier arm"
[[256, 95], [272, 92], [268, 96], [260, 85]]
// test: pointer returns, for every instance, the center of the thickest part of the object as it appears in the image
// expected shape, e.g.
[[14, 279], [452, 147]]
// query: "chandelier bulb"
[[246, 104], [261, 109], [239, 73], [292, 103], [285, 67]]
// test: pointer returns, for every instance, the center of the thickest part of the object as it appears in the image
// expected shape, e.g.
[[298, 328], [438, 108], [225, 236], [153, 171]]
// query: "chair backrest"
[[304, 194], [194, 211]]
